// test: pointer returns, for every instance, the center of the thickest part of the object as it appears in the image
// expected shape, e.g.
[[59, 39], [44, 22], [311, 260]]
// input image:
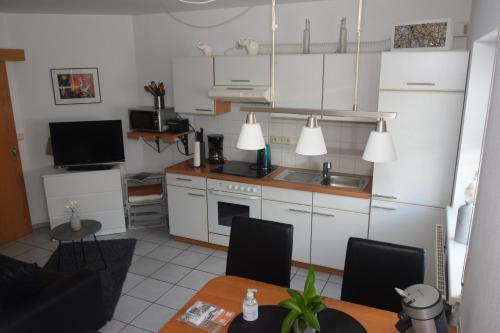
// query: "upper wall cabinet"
[[193, 78], [443, 71], [299, 81], [339, 80], [243, 70]]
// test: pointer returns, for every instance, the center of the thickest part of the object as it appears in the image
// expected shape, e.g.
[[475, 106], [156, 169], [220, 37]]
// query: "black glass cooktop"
[[243, 169]]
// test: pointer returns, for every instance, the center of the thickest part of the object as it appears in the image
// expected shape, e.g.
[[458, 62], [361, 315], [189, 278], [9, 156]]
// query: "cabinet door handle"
[[203, 110], [324, 214], [384, 208], [384, 196], [430, 84], [299, 211], [184, 179], [239, 80], [196, 194]]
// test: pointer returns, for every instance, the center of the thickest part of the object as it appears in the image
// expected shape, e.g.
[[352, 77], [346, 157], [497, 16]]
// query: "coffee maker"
[[423, 310], [215, 148]]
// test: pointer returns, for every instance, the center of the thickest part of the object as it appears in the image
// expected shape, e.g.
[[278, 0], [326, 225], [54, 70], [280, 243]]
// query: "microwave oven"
[[149, 119]]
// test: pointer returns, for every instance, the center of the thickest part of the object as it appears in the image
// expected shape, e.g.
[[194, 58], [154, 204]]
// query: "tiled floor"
[[164, 275]]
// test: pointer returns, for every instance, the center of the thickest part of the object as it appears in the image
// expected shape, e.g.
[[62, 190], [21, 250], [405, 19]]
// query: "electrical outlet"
[[280, 140]]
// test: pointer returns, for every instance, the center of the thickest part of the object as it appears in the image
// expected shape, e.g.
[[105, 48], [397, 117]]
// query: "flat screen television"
[[81, 144]]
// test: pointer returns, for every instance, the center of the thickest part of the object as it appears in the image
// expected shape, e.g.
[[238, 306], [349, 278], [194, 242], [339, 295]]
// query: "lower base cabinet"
[[331, 229], [297, 215], [187, 212], [410, 225]]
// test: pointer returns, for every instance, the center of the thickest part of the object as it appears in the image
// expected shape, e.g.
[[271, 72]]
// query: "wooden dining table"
[[228, 292]]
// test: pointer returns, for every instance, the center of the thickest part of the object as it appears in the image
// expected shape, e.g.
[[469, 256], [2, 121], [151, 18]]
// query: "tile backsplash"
[[345, 141]]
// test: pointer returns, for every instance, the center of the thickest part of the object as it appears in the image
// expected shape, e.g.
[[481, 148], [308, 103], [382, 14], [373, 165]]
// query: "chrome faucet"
[[326, 168]]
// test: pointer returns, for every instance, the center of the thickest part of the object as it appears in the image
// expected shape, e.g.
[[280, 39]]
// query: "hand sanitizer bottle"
[[250, 306]]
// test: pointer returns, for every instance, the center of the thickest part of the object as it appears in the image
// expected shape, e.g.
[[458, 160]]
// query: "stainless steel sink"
[[357, 183], [351, 182], [300, 176]]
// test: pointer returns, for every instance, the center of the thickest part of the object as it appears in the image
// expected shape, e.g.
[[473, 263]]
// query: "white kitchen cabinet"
[[187, 212], [426, 134], [338, 85], [437, 71], [243, 70], [193, 77], [99, 194], [299, 81], [331, 229], [297, 215], [410, 225]]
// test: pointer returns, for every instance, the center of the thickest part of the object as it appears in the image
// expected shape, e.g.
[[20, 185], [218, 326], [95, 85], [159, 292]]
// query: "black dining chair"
[[372, 270], [260, 250]]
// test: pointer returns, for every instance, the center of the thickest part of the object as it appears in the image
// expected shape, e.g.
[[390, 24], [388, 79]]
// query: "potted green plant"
[[303, 308]]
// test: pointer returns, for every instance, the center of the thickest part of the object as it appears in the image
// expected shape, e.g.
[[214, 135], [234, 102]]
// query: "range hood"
[[241, 94]]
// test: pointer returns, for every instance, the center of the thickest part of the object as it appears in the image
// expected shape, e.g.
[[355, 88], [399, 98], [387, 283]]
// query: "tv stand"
[[98, 167]]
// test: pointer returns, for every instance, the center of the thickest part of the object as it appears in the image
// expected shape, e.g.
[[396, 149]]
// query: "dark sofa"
[[64, 304]]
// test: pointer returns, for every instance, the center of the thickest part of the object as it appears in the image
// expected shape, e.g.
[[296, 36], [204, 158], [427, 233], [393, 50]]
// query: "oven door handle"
[[233, 195]]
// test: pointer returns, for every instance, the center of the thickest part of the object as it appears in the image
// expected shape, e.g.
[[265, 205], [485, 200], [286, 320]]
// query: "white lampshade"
[[251, 137], [311, 142], [380, 148]]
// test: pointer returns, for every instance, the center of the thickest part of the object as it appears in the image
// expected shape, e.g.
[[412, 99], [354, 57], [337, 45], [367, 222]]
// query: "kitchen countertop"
[[186, 168]]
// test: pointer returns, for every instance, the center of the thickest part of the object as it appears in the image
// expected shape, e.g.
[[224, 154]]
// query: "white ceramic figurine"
[[205, 49], [250, 45]]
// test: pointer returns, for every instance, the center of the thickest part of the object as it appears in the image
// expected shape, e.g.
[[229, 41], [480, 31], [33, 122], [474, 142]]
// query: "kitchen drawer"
[[438, 71], [341, 202], [283, 195], [242, 70], [74, 183], [186, 181], [218, 239], [93, 202]]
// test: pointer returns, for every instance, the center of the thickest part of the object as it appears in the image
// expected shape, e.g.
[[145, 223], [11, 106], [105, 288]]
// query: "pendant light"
[[380, 147], [200, 2], [311, 141], [251, 137]]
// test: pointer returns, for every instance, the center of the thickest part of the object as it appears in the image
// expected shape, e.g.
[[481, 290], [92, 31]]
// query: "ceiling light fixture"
[[201, 2], [251, 137]]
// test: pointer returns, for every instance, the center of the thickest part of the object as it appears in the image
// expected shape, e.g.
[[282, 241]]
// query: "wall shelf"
[[157, 137]]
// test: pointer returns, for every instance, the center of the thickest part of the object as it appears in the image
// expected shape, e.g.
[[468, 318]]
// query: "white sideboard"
[[99, 194]]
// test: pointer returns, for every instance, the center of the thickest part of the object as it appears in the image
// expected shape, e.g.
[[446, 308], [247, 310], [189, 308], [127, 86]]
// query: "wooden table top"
[[186, 168], [228, 292]]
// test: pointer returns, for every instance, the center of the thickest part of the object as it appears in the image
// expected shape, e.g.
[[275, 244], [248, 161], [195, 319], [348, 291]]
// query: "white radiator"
[[441, 261]]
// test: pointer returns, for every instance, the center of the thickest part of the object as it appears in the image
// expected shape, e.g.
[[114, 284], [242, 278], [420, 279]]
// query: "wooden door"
[[14, 213]]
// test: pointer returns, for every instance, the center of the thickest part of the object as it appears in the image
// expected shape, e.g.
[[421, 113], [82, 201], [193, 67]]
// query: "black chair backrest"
[[372, 270], [260, 250]]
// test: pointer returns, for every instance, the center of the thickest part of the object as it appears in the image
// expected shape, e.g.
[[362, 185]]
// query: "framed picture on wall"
[[75, 85], [429, 35]]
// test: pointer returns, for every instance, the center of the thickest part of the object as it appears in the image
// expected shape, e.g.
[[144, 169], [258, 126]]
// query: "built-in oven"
[[229, 199]]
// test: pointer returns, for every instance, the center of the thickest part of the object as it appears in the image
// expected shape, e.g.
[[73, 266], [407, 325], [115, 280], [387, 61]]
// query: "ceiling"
[[125, 7]]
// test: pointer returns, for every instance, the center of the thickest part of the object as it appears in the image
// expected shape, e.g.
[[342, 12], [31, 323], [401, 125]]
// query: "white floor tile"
[[154, 317], [135, 257], [171, 273], [294, 269], [196, 279], [332, 290], [42, 261], [176, 297], [145, 266], [35, 238], [335, 279], [213, 265], [189, 259], [177, 244], [129, 307], [133, 329], [298, 282], [164, 253], [150, 289], [112, 326], [51, 246], [14, 249], [143, 247], [319, 275], [220, 254], [34, 255], [131, 281], [156, 236], [201, 249]]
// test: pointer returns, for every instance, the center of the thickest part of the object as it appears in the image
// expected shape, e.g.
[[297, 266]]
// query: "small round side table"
[[63, 233]]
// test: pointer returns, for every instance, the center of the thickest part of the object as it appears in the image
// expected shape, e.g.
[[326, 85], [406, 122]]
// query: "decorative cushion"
[[18, 282]]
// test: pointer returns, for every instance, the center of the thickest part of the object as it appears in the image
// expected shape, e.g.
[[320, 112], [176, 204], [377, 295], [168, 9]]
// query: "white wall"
[[481, 292], [59, 41], [158, 39]]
